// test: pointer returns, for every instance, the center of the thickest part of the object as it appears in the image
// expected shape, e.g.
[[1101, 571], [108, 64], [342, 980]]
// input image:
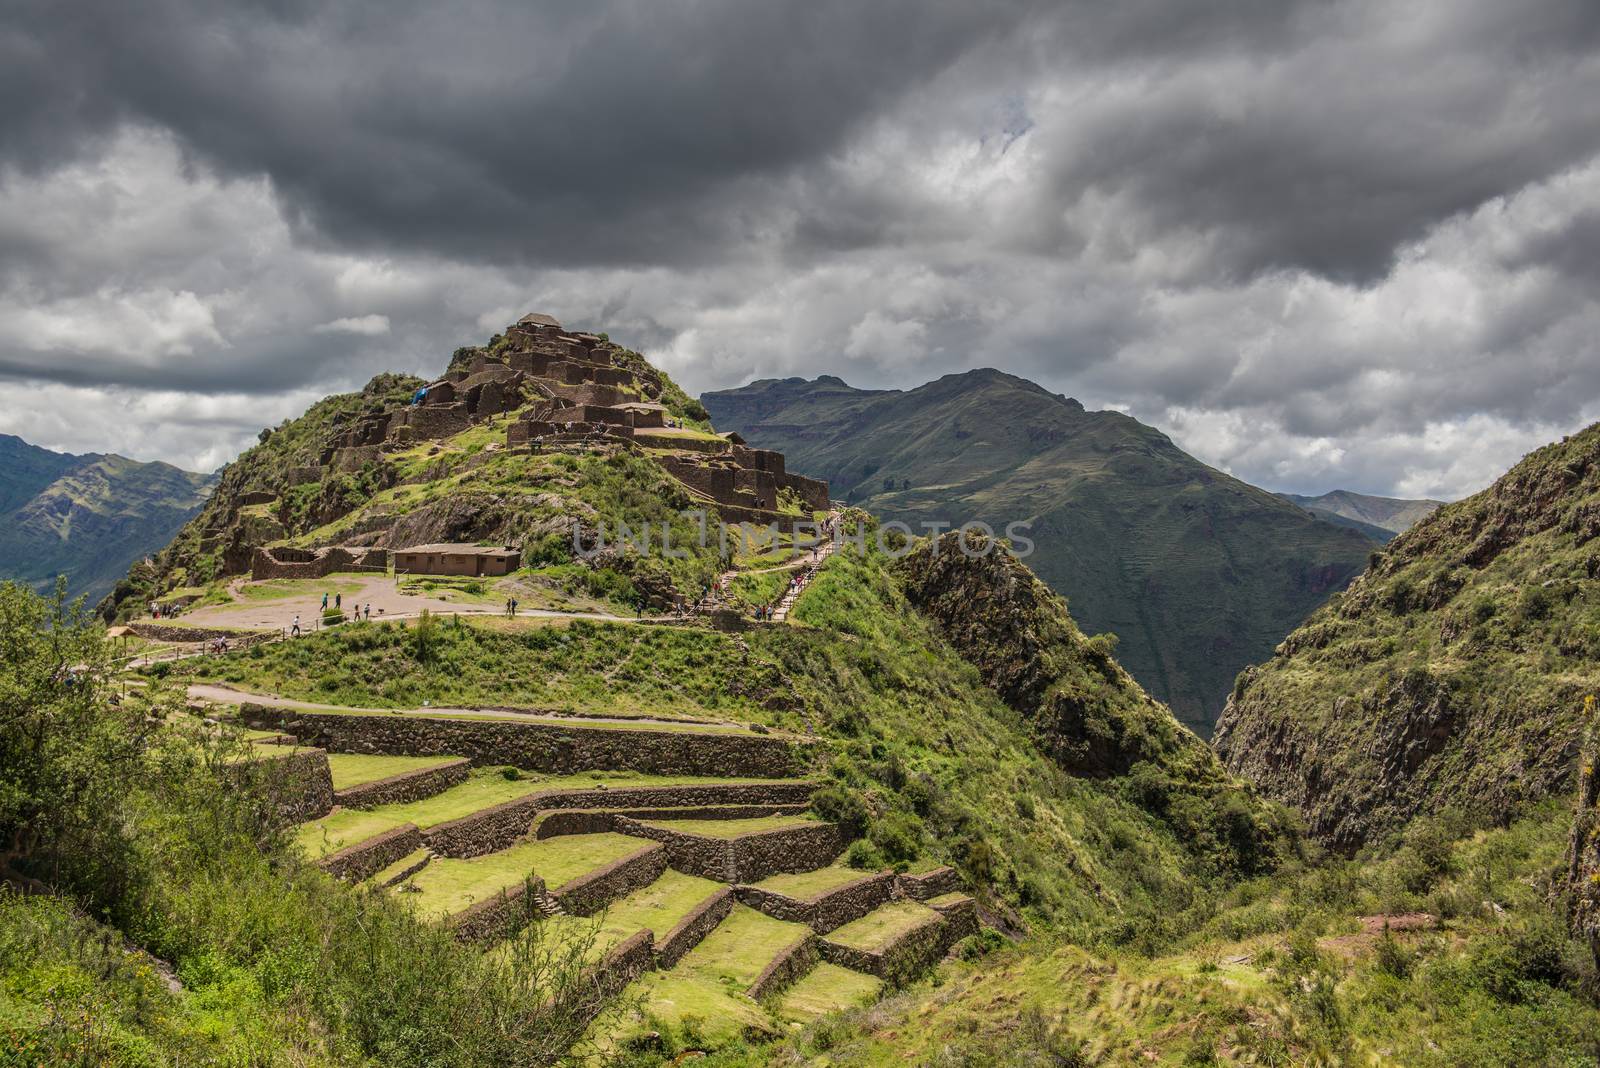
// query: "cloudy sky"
[[1319, 242]]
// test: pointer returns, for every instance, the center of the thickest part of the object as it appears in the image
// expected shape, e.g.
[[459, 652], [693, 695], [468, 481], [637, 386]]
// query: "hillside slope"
[[1382, 517], [86, 517], [1451, 674], [1197, 573]]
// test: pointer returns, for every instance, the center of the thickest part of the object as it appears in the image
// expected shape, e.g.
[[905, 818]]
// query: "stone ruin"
[[573, 392]]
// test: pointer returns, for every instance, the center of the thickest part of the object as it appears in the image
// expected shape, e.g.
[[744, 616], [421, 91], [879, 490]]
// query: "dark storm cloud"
[[1327, 221]]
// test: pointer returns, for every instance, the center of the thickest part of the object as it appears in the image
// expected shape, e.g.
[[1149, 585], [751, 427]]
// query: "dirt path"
[[204, 691]]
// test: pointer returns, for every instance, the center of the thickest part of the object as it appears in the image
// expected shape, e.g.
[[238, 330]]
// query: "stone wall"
[[283, 562], [826, 911], [497, 827], [536, 746], [165, 632], [598, 821], [960, 912], [748, 858], [624, 963], [931, 884], [790, 964], [593, 891], [689, 932], [902, 959], [407, 786], [499, 916], [365, 859]]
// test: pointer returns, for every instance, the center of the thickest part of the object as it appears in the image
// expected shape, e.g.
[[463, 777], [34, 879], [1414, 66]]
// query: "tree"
[[71, 751]]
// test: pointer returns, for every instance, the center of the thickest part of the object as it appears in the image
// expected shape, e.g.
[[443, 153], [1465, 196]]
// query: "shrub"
[[898, 836], [864, 856], [839, 804]]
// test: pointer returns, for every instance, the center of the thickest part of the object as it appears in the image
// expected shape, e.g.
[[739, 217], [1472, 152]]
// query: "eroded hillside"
[[1452, 674]]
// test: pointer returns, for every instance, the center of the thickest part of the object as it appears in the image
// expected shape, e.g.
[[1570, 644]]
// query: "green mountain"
[[921, 819], [1451, 675], [86, 517], [1379, 517], [1197, 573]]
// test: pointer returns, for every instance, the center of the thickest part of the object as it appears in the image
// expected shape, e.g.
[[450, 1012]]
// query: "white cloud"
[[363, 325]]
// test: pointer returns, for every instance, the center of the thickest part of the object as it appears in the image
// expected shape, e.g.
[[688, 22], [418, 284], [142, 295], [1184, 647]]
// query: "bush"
[[838, 804], [864, 856], [898, 837]]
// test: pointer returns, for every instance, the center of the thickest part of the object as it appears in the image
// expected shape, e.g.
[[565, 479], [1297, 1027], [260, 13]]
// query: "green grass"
[[705, 991], [382, 877], [485, 788], [811, 884], [732, 828], [882, 925], [827, 988], [614, 669], [448, 885], [658, 908], [356, 769], [946, 899]]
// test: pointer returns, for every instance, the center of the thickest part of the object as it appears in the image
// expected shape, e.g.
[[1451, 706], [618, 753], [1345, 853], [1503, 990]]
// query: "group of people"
[[358, 612], [163, 611], [217, 645], [511, 607]]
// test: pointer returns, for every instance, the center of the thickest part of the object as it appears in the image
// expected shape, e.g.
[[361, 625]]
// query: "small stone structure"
[[456, 559], [284, 562]]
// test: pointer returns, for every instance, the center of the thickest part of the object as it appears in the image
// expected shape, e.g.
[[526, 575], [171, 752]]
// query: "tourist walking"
[[324, 604], [294, 631]]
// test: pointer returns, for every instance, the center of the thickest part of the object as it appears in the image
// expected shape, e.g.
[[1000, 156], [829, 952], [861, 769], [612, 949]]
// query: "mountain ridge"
[[1198, 573], [87, 516]]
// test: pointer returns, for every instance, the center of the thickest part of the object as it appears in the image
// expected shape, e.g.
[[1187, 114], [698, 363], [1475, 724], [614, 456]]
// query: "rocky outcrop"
[[1451, 674]]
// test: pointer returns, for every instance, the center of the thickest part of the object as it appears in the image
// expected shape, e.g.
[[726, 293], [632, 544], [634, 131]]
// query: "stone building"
[[454, 559]]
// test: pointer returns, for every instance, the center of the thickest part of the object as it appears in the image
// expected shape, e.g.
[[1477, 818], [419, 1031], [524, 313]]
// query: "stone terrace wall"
[[497, 827], [902, 959], [623, 964], [747, 858], [786, 967], [407, 786], [536, 746], [501, 915], [596, 821], [589, 893], [961, 912], [826, 911], [931, 884], [693, 928], [367, 858]]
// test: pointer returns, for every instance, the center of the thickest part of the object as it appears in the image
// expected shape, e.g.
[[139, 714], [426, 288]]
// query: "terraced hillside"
[[719, 897], [1196, 573]]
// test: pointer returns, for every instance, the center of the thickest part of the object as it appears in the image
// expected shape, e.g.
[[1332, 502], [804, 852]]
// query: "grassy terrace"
[[486, 787], [382, 877], [448, 885], [811, 884], [356, 769], [709, 982], [585, 666], [658, 907], [882, 925], [576, 723], [828, 988], [731, 828]]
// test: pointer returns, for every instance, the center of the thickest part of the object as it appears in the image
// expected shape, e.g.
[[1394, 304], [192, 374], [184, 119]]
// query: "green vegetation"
[[731, 828], [356, 769], [880, 927], [449, 884], [810, 884], [133, 833], [611, 668], [657, 908], [86, 517], [1282, 972], [827, 988], [705, 994], [1197, 573], [1452, 674]]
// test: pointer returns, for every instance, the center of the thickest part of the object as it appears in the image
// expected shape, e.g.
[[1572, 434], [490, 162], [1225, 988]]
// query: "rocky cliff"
[[1088, 712], [1453, 672]]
